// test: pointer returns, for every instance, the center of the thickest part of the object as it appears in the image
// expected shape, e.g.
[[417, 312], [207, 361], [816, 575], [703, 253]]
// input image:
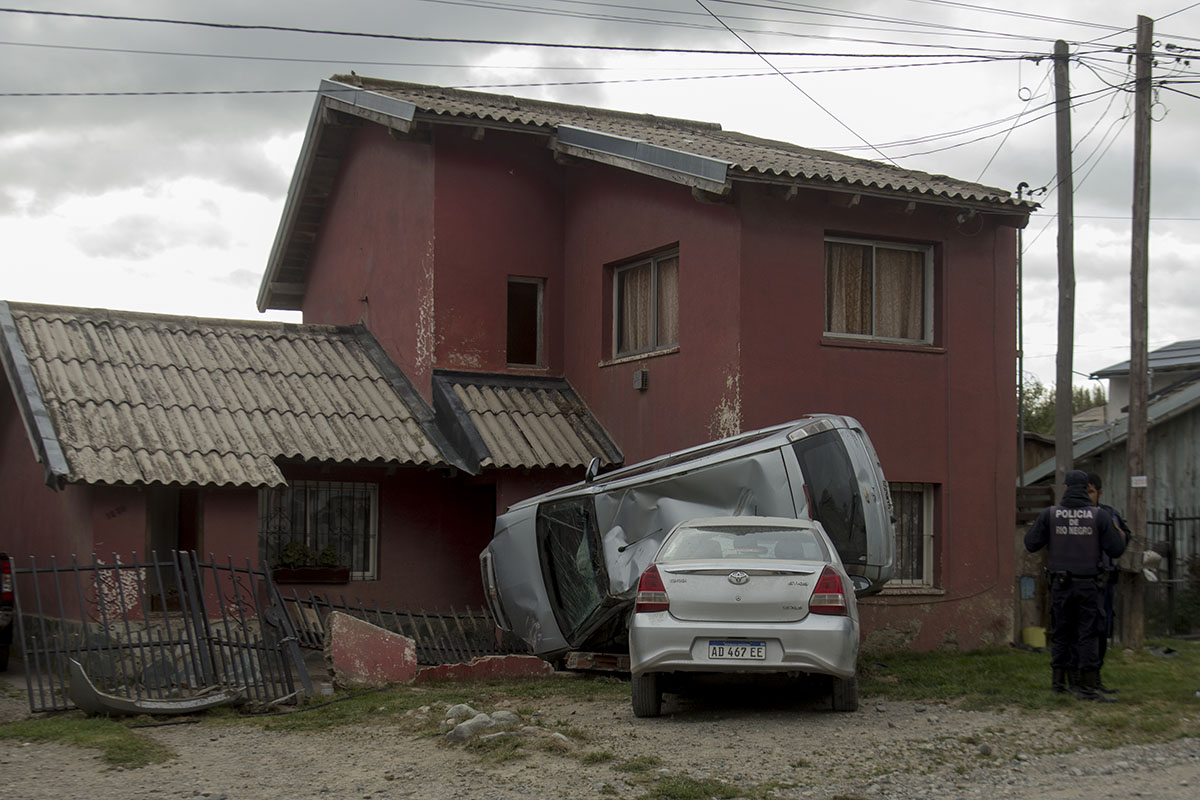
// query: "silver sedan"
[[744, 594]]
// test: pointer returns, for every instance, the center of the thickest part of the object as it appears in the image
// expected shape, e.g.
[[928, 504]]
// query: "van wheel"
[[844, 693], [647, 695]]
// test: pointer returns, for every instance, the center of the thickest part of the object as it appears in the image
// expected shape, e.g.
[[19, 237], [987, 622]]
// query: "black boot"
[[1074, 682], [1088, 690], [1058, 680], [1100, 687]]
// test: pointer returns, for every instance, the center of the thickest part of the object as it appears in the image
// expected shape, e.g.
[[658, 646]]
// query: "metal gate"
[[162, 628], [1172, 605]]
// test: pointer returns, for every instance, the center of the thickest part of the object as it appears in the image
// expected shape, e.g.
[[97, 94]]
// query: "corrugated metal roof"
[[526, 422], [140, 398], [1183, 355], [749, 154]]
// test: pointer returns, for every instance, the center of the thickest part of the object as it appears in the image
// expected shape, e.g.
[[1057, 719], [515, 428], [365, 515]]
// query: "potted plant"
[[299, 563]]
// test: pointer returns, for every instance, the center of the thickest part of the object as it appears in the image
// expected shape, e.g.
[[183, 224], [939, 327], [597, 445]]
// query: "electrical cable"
[[796, 86]]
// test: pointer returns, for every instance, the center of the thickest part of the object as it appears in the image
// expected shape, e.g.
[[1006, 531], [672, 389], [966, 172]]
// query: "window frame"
[[926, 548], [309, 536], [653, 261], [928, 307], [540, 283]]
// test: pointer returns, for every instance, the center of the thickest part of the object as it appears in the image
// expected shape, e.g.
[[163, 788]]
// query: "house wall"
[[498, 214], [374, 259], [432, 527], [38, 521]]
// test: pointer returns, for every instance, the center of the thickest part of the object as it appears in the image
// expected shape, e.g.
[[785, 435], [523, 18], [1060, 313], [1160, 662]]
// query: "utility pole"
[[1063, 440], [1133, 585]]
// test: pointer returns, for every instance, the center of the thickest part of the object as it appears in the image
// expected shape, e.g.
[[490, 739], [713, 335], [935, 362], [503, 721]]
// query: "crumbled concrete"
[[362, 655]]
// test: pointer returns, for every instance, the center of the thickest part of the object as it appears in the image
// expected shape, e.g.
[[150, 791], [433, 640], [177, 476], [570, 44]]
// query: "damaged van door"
[[562, 568]]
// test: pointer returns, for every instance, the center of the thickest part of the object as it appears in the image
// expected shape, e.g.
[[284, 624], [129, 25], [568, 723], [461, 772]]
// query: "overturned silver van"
[[562, 568]]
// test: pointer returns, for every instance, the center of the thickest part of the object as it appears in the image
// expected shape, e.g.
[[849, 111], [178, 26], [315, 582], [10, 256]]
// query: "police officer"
[[1078, 534], [1095, 490]]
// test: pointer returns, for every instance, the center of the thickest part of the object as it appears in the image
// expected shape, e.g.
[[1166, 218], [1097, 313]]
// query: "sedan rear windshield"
[[742, 542]]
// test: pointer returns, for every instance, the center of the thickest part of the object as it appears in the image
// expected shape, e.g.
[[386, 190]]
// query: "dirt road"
[[794, 747]]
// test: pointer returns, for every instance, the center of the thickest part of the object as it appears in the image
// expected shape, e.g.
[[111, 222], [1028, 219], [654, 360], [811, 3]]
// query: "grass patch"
[[597, 757], [497, 750], [638, 764], [682, 787], [1157, 700], [121, 748]]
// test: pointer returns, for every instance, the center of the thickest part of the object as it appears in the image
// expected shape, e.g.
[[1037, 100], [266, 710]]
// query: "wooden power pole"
[[1063, 440], [1134, 586]]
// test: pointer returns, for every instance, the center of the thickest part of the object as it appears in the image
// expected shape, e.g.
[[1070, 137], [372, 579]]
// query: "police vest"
[[1075, 540]]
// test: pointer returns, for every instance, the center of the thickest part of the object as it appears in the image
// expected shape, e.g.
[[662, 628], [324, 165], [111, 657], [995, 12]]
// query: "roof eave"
[[34, 414], [332, 96]]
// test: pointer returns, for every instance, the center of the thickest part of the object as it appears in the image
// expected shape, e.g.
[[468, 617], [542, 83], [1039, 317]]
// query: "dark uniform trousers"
[[1077, 614]]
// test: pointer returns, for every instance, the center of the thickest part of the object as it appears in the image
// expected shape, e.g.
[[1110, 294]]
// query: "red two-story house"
[[540, 282]]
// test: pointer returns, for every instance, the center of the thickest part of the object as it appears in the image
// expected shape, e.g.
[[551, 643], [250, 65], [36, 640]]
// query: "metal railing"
[[440, 637], [162, 628]]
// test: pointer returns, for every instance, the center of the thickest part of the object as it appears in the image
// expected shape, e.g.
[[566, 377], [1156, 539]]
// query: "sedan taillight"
[[651, 593], [830, 596]]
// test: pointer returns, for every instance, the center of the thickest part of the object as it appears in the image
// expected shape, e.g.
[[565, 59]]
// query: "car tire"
[[4, 657], [844, 693], [647, 695]]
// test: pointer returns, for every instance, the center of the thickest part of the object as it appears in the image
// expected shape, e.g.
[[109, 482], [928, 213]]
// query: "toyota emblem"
[[738, 578]]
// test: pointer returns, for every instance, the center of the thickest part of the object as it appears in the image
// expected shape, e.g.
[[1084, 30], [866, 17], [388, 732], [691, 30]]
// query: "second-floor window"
[[879, 290], [524, 338], [646, 304]]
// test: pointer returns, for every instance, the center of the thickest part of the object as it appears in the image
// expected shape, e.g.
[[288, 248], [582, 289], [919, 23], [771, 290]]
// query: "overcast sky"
[[135, 196]]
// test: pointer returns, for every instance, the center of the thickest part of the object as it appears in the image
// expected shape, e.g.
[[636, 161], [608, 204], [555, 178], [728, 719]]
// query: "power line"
[[539, 68], [796, 86], [965, 51]]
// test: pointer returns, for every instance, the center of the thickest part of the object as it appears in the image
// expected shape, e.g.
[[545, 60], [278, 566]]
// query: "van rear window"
[[833, 493]]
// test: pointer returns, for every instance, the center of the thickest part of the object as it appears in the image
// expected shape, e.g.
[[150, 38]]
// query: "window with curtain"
[[913, 504], [325, 522], [878, 290], [646, 305]]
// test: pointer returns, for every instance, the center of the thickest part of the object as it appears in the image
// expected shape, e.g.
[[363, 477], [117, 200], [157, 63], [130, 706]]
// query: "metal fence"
[[440, 637], [162, 628], [1173, 602]]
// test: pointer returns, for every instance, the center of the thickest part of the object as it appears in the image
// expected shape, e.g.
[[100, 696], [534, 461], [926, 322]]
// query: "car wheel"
[[4, 657], [647, 695], [845, 694]]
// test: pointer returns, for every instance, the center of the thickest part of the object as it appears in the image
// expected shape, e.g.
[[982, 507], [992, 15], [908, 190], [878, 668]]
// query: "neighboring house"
[[673, 283], [241, 438], [1173, 435]]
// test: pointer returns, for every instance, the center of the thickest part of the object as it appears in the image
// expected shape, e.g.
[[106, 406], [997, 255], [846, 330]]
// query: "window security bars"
[[320, 524], [913, 503], [164, 628]]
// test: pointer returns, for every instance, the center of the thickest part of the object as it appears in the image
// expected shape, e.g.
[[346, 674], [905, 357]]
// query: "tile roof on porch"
[[121, 397], [514, 421]]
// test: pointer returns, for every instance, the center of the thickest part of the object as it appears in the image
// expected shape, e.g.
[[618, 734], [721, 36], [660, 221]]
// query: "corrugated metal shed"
[[522, 422], [139, 398], [1183, 355]]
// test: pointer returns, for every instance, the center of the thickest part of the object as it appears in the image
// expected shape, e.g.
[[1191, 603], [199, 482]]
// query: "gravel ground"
[[885, 750]]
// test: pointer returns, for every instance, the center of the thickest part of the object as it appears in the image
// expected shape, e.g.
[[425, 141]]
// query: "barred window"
[[324, 523], [914, 533]]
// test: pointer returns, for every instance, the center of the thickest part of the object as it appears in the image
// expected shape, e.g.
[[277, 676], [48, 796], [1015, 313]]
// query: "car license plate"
[[737, 651]]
